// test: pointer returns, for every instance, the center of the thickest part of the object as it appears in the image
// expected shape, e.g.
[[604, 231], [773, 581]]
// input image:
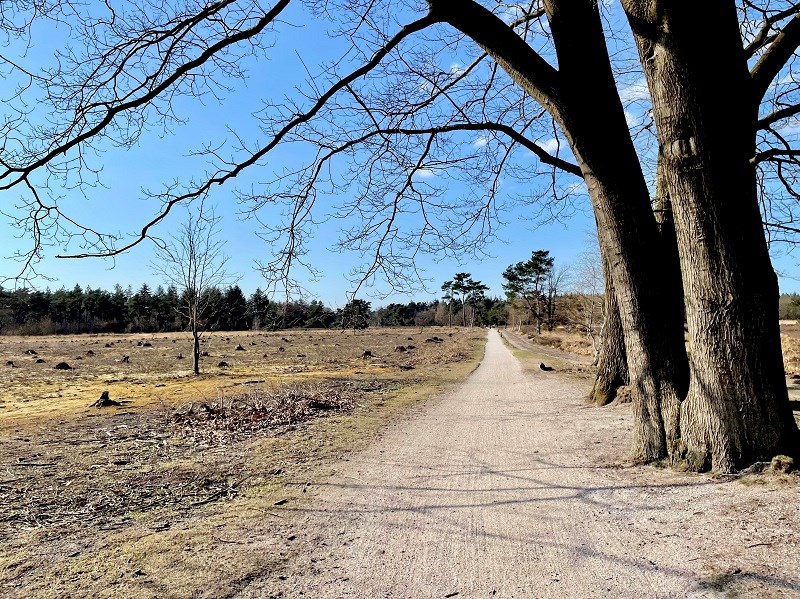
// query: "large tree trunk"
[[665, 220], [629, 240], [736, 410], [612, 365], [598, 134]]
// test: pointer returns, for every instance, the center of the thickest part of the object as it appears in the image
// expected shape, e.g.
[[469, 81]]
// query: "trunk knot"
[[682, 149]]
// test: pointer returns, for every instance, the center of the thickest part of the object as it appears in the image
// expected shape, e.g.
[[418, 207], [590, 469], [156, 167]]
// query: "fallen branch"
[[221, 540]]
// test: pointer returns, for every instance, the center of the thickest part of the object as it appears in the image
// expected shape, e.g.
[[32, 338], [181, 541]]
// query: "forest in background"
[[147, 310]]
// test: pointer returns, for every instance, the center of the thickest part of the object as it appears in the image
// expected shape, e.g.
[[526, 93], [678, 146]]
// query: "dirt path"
[[508, 488], [521, 342]]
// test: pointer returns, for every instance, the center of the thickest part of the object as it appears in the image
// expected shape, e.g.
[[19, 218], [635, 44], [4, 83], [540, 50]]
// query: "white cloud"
[[631, 119], [578, 188], [456, 69], [480, 142], [424, 173], [508, 12], [635, 92], [790, 129], [551, 146]]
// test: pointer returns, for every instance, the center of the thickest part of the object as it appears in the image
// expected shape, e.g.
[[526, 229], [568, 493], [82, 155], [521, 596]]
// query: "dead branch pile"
[[268, 410]]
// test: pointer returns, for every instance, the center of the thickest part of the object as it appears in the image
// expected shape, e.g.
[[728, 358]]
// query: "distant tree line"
[[78, 310], [147, 310], [789, 306], [534, 296], [483, 311]]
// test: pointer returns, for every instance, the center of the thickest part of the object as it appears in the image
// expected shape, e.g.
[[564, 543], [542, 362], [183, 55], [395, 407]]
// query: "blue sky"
[[160, 158]]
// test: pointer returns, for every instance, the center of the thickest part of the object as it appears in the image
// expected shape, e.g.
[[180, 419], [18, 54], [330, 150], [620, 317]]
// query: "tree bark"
[[196, 351], [598, 134], [612, 366], [665, 220], [736, 410]]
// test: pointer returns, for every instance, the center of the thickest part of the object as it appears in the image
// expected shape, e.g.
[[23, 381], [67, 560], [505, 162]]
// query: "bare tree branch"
[[775, 57], [11, 176], [778, 115], [523, 64], [765, 35], [772, 153]]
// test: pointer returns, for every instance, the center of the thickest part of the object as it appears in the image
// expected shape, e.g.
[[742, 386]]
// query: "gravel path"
[[508, 488]]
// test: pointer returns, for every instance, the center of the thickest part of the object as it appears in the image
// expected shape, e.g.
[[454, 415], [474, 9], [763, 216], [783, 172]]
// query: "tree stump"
[[105, 401]]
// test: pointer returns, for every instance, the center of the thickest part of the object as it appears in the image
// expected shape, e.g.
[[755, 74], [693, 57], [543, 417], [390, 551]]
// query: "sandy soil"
[[512, 487]]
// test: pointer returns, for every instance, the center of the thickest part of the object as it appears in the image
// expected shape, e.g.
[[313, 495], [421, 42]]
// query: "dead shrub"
[[268, 410]]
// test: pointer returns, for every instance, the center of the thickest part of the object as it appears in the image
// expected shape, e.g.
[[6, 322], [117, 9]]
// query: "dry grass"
[[178, 492], [157, 499], [156, 375], [790, 341], [568, 341], [791, 353], [562, 339]]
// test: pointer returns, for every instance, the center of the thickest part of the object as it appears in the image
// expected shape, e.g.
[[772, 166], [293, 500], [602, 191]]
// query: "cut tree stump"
[[105, 401]]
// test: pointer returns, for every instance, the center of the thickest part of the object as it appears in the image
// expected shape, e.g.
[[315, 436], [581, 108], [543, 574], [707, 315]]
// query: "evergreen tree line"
[[78, 310], [789, 306], [33, 312]]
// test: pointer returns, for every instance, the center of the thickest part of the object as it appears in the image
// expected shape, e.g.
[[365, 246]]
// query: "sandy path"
[[503, 489]]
